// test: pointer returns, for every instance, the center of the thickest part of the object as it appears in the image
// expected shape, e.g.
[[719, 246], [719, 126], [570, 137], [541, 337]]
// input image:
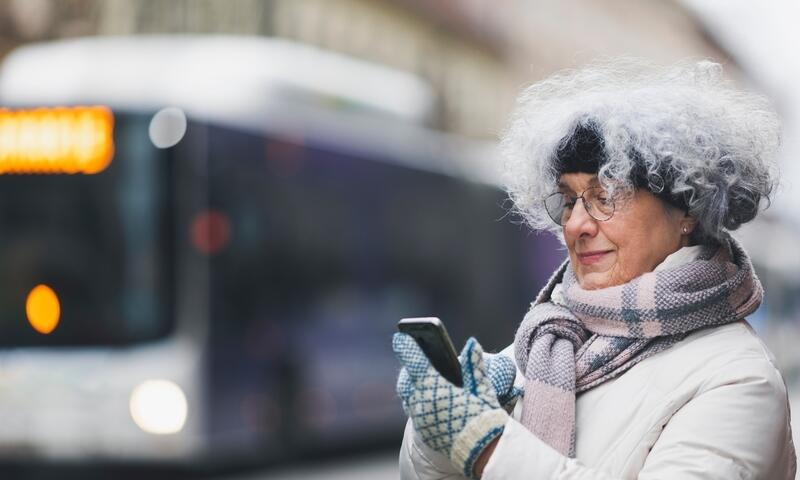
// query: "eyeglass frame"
[[585, 203]]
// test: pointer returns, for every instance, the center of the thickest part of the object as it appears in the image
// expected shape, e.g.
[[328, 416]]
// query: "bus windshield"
[[97, 242]]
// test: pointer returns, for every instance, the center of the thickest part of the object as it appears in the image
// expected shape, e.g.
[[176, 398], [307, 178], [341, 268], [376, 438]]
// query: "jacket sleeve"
[[420, 462], [736, 427]]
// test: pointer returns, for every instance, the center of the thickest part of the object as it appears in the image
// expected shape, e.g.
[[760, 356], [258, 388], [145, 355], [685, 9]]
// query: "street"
[[374, 467]]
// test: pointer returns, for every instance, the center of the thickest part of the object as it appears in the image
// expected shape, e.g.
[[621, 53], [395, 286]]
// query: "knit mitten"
[[502, 372], [459, 422]]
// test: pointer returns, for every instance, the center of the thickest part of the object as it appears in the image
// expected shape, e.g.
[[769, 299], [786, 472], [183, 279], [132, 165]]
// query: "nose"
[[580, 223]]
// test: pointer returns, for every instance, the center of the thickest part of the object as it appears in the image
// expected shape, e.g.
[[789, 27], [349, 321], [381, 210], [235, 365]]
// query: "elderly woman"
[[635, 360]]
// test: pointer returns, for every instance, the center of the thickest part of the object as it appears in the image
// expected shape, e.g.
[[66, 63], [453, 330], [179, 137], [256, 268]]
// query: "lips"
[[588, 258]]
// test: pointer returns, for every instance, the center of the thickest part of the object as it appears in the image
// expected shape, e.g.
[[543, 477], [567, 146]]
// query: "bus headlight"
[[159, 407]]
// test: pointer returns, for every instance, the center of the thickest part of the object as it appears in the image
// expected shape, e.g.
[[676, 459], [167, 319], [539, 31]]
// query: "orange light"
[[43, 309], [56, 140]]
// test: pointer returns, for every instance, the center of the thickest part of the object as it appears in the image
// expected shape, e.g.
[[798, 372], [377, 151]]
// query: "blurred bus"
[[207, 243]]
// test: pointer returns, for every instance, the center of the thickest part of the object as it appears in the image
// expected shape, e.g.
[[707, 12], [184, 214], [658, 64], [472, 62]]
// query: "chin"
[[595, 281]]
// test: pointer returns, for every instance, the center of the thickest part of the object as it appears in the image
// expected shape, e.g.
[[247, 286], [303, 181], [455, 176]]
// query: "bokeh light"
[[43, 309], [210, 231], [167, 127], [56, 140], [159, 407]]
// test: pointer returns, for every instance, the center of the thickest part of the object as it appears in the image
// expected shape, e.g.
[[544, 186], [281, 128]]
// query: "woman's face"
[[640, 235]]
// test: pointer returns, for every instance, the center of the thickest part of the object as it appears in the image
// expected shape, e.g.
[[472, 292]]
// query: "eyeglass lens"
[[598, 205]]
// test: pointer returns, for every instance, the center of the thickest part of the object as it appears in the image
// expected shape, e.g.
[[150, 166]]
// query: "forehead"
[[577, 182]]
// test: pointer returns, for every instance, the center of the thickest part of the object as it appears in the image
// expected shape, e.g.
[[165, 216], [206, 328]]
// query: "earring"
[[685, 229]]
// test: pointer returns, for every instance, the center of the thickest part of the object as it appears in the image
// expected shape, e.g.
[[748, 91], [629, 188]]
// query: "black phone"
[[432, 338]]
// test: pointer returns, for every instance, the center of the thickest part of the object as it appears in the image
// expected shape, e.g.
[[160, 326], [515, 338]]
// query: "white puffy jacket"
[[712, 406]]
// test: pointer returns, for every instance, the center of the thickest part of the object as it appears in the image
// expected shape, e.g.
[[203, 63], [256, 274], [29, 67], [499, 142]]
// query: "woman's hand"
[[502, 372], [459, 422]]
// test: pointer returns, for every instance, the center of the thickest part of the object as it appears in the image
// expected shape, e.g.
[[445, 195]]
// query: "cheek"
[[631, 259], [628, 265], [641, 249]]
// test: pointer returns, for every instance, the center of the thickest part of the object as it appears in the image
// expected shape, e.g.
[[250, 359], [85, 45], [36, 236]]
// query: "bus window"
[[323, 253], [98, 242]]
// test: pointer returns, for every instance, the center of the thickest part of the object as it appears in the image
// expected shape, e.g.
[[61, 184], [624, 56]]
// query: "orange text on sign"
[[56, 140]]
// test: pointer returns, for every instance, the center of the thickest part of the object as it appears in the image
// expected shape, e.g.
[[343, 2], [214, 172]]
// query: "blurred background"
[[214, 212]]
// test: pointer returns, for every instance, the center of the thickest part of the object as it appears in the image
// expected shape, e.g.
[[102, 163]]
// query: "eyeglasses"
[[596, 201]]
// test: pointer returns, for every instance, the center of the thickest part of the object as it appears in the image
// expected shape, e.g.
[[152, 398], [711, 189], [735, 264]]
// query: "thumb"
[[410, 355], [502, 372], [473, 369]]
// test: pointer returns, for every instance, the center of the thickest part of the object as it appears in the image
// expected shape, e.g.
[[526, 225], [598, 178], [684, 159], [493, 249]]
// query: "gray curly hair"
[[716, 143]]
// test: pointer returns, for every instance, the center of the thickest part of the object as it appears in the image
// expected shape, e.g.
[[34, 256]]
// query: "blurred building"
[[477, 54]]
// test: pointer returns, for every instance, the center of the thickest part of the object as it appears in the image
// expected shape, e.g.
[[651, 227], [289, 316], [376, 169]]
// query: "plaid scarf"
[[599, 334]]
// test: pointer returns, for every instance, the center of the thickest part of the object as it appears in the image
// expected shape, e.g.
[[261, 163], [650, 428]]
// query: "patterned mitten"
[[458, 422], [502, 372]]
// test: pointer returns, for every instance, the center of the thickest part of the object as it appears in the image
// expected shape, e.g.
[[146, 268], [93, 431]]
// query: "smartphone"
[[432, 338]]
